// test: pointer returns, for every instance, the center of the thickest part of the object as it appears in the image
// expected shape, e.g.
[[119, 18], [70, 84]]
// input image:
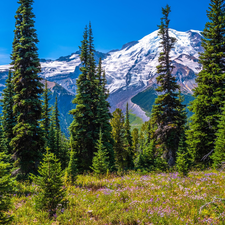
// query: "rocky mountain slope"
[[130, 70]]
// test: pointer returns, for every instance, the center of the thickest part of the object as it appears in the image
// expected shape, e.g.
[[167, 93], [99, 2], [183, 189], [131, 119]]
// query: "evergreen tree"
[[51, 142], [3, 146], [118, 134], [135, 141], [46, 110], [104, 116], [183, 158], [209, 94], [128, 141], [50, 184], [72, 171], [57, 130], [28, 141], [145, 160], [6, 187], [219, 151], [64, 151], [91, 111], [8, 119], [100, 163], [165, 112], [82, 126]]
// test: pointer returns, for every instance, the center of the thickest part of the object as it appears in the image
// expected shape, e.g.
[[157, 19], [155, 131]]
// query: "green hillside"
[[146, 99]]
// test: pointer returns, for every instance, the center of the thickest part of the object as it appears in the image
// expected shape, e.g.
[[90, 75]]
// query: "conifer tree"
[[219, 151], [51, 142], [183, 158], [165, 113], [3, 146], [128, 141], [8, 119], [82, 125], [50, 184], [28, 141], [72, 171], [91, 111], [135, 140], [118, 134], [6, 187], [104, 116], [100, 163], [56, 123], [145, 160], [46, 111], [209, 94]]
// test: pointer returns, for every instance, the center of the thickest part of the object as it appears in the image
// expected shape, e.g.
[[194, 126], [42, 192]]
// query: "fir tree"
[[183, 158], [3, 146], [165, 112], [50, 184], [104, 116], [56, 122], [72, 171], [28, 141], [91, 111], [8, 119], [6, 187], [128, 141], [100, 163], [145, 160], [118, 134], [209, 94], [219, 151], [51, 142], [46, 110], [64, 151], [135, 140]]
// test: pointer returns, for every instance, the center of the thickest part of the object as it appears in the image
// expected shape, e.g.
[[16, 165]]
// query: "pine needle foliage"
[[100, 163], [219, 151], [71, 171], [92, 109], [8, 119], [128, 141], [28, 141], [183, 158], [209, 94], [50, 184], [6, 188], [118, 134], [46, 112], [165, 113]]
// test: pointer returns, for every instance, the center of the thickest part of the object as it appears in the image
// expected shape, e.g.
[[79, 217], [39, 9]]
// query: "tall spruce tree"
[[219, 151], [128, 141], [118, 134], [28, 140], [165, 113], [8, 119], [91, 111], [209, 94], [104, 115], [57, 129], [46, 111]]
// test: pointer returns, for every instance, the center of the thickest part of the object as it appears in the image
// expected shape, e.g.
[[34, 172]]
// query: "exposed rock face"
[[131, 69]]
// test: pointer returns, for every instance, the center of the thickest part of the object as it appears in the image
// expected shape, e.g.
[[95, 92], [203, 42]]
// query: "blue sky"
[[60, 24]]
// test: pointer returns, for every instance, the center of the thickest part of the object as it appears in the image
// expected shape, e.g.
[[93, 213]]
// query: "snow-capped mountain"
[[131, 69]]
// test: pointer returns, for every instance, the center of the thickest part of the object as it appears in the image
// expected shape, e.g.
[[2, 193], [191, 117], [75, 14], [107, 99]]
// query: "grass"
[[163, 198]]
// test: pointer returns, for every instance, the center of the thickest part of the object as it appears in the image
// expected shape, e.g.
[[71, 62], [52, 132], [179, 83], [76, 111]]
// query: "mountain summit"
[[131, 69]]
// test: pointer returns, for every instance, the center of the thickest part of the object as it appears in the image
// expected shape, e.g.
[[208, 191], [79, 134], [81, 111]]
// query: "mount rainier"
[[130, 70]]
